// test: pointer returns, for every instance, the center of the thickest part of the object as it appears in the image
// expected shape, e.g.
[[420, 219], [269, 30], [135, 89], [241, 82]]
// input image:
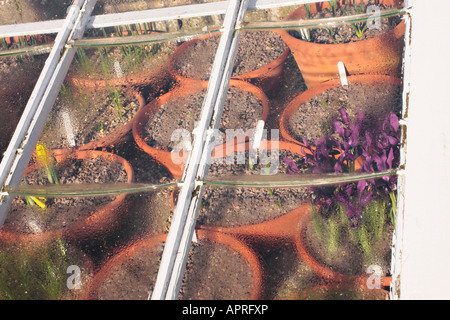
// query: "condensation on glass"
[[123, 124]]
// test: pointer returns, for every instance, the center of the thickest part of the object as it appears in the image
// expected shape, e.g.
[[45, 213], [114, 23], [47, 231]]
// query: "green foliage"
[[334, 226], [33, 273], [114, 95], [83, 61], [333, 6]]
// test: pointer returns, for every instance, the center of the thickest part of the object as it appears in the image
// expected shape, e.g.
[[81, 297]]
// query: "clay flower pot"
[[39, 270], [154, 80], [305, 96], [276, 224], [340, 291], [136, 252], [318, 62], [326, 272], [268, 77], [119, 135], [189, 88], [103, 219]]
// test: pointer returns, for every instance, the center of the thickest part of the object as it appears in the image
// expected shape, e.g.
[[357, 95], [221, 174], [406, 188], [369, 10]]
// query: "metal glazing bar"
[[22, 144], [180, 234]]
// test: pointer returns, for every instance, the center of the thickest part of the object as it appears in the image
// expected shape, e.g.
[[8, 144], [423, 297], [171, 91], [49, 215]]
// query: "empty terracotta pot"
[[268, 77], [184, 91]]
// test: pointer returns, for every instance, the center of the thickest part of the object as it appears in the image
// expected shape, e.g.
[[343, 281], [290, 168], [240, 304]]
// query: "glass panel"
[[18, 75], [32, 45], [23, 11], [87, 149], [137, 100], [116, 6]]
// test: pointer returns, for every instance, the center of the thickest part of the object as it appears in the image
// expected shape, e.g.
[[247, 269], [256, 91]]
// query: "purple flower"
[[379, 147]]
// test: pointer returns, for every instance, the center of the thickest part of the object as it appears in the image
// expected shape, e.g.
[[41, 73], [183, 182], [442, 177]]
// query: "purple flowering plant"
[[377, 149]]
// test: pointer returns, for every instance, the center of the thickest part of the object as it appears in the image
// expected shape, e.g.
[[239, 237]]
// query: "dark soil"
[[18, 76], [228, 207], [216, 272], [148, 212], [314, 118], [242, 110], [61, 212], [346, 33], [134, 277], [92, 116], [255, 50]]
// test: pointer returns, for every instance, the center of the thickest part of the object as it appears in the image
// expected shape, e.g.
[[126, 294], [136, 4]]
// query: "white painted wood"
[[179, 238], [424, 240], [22, 144]]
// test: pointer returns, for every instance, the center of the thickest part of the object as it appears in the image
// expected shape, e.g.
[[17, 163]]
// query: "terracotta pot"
[[119, 135], [326, 291], [268, 77], [101, 222], [292, 107], [318, 62], [150, 242], [189, 88], [320, 269], [31, 252], [155, 81]]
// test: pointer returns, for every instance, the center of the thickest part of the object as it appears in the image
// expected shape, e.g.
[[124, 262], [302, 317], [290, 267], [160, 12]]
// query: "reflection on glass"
[[328, 242]]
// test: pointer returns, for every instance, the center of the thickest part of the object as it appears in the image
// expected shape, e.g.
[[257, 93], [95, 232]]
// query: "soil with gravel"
[[91, 116], [314, 118], [134, 277], [346, 33], [241, 110], [229, 207], [18, 76], [216, 272], [348, 259], [62, 212], [255, 50]]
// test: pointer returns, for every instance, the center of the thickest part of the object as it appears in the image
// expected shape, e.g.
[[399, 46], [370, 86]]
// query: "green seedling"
[[305, 32], [393, 209], [359, 27], [34, 273], [333, 6]]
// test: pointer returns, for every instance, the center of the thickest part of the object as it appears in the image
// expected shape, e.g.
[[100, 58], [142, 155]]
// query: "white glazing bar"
[[22, 144], [31, 28], [205, 161], [143, 16], [177, 243]]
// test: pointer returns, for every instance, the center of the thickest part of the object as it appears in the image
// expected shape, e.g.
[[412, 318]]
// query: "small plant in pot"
[[373, 46], [73, 217], [140, 66], [41, 272], [92, 120], [358, 217]]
